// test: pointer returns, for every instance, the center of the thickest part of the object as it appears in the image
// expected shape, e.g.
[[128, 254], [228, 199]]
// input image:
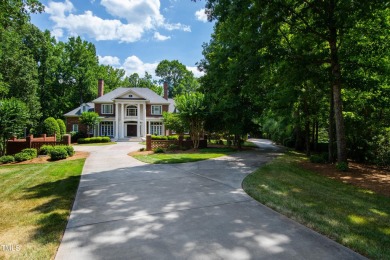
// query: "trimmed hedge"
[[32, 152], [169, 137], [20, 157], [45, 149], [7, 159], [58, 153], [91, 140]]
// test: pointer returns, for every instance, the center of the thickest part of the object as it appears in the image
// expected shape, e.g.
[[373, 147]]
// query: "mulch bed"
[[369, 177]]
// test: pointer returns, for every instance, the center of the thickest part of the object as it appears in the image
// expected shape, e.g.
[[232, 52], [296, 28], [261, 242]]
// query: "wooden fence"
[[17, 145], [153, 144]]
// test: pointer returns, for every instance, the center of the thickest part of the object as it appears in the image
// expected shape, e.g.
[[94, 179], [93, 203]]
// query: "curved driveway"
[[125, 209]]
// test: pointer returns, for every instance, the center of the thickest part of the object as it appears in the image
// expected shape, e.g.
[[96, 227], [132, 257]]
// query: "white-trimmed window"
[[75, 128], [107, 128], [107, 109], [131, 111], [156, 110], [156, 128]]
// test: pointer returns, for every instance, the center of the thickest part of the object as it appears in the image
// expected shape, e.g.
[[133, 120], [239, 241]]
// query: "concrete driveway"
[[126, 209]]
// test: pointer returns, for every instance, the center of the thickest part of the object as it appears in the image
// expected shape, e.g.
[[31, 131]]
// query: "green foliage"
[[32, 152], [142, 149], [318, 158], [90, 119], [174, 122], [7, 159], [173, 147], [91, 140], [173, 137], [45, 149], [20, 157], [58, 153], [159, 137], [192, 111], [14, 117], [342, 166], [68, 148], [50, 127], [61, 125], [158, 150], [145, 82], [179, 79]]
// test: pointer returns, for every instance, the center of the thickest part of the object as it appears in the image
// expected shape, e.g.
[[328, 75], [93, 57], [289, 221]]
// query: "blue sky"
[[132, 34]]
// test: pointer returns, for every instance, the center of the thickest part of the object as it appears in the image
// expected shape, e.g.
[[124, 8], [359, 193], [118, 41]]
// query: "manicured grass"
[[354, 217], [183, 157], [35, 203], [96, 144]]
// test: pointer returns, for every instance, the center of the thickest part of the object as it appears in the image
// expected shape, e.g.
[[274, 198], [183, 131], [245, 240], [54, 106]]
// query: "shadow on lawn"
[[55, 212]]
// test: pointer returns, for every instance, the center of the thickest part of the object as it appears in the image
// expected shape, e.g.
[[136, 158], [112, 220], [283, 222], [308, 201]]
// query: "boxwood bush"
[[91, 140], [7, 159], [45, 149], [159, 137], [20, 157], [32, 152], [58, 153]]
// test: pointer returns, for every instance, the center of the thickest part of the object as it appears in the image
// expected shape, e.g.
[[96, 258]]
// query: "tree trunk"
[[336, 88], [331, 129], [307, 137]]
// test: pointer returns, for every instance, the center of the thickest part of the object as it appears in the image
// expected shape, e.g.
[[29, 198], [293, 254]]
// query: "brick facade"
[[70, 121], [149, 110]]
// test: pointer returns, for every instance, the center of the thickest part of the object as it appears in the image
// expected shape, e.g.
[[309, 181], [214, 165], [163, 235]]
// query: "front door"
[[131, 130]]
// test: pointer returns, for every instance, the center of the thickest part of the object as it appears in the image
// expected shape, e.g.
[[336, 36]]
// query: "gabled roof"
[[145, 93], [90, 107]]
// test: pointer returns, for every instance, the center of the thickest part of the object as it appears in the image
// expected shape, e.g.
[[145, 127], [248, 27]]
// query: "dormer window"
[[131, 111]]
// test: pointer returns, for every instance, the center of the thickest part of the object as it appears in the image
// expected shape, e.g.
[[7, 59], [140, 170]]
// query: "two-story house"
[[125, 112]]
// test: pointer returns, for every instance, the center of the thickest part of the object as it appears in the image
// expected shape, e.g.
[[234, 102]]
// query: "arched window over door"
[[131, 110]]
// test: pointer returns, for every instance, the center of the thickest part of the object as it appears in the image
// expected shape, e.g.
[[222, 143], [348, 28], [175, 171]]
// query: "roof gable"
[[137, 94]]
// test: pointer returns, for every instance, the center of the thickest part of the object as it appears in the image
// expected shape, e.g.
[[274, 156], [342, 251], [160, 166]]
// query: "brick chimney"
[[166, 90], [100, 87]]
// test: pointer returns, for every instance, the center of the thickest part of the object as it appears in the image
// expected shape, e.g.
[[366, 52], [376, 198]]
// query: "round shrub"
[[158, 150], [317, 159], [58, 153], [50, 126], [45, 149], [142, 149], [69, 149], [62, 126], [7, 159], [342, 166], [173, 147], [20, 157], [32, 152]]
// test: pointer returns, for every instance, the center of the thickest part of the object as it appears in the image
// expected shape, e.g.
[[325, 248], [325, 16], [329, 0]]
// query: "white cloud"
[[196, 72], [177, 26], [140, 16], [57, 33], [109, 60], [160, 37], [133, 64], [201, 15]]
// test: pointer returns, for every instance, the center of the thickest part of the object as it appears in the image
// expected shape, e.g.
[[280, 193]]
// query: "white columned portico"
[[116, 121]]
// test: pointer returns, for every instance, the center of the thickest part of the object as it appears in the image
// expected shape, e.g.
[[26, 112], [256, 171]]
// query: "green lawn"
[[35, 202], [183, 157], [354, 217]]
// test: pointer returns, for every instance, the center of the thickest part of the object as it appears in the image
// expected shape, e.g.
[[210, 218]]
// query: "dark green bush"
[[20, 157], [173, 147], [342, 166], [76, 135], [69, 149], [158, 150], [58, 153], [142, 149], [159, 137], [318, 158], [7, 159], [91, 140], [32, 152], [50, 127], [45, 149], [62, 126]]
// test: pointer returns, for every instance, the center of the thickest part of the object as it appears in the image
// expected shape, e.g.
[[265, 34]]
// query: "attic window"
[[130, 95]]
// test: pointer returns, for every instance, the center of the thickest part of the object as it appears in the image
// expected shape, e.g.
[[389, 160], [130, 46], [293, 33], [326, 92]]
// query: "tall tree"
[[171, 72]]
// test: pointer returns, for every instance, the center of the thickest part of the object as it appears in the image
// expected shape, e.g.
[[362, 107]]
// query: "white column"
[[122, 125], [144, 114], [138, 123], [116, 121]]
